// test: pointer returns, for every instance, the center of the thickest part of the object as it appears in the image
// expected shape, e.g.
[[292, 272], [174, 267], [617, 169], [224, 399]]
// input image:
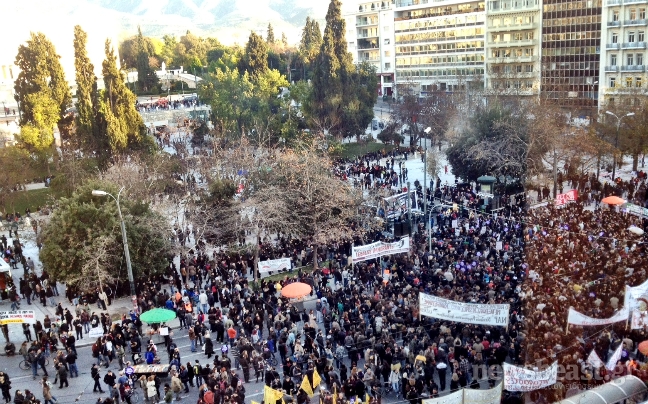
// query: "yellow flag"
[[255, 402], [305, 385], [335, 394], [270, 395], [366, 398], [316, 378]]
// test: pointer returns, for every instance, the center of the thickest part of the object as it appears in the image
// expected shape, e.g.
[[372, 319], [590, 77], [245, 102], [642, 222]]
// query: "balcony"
[[504, 44], [364, 36], [633, 68], [510, 9], [512, 27], [513, 59], [611, 69], [633, 45], [614, 23], [613, 2], [612, 46], [626, 2], [366, 23], [634, 22], [370, 59], [367, 47]]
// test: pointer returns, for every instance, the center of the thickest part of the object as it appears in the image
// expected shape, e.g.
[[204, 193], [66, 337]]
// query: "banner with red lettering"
[[576, 318], [521, 379], [378, 249], [17, 316], [569, 196]]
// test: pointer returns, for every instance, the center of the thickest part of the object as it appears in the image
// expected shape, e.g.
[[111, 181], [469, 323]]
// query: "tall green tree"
[[86, 105], [311, 40], [122, 124], [255, 60], [270, 36], [146, 77], [42, 91], [84, 226], [341, 99]]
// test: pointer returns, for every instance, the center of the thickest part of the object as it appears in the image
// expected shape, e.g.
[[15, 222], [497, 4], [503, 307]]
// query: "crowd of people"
[[364, 336]]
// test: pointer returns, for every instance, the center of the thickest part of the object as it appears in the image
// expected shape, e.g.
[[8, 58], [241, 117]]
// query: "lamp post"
[[129, 268], [616, 138], [425, 213]]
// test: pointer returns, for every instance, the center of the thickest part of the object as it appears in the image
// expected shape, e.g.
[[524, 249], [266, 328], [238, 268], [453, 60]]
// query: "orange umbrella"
[[643, 347], [613, 200], [296, 290]]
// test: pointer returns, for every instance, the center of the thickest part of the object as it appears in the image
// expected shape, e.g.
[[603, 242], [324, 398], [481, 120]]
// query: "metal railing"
[[633, 45]]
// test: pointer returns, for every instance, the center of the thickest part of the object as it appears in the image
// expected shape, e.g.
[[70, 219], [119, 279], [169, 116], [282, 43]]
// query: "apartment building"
[[623, 50], [439, 44], [370, 36], [571, 47], [513, 47]]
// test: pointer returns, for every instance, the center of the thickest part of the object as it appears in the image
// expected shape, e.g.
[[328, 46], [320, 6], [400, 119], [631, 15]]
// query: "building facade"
[[513, 47], [571, 52], [439, 44], [623, 50], [370, 36]]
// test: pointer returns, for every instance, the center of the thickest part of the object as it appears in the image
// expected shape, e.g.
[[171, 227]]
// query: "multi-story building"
[[439, 44], [370, 33], [623, 49], [513, 47], [571, 35]]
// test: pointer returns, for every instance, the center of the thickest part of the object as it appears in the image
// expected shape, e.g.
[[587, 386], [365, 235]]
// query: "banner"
[[274, 265], [452, 398], [594, 360], [378, 249], [486, 314], [17, 316], [635, 209], [490, 396], [576, 318], [636, 300], [569, 196], [96, 332], [520, 379], [611, 363]]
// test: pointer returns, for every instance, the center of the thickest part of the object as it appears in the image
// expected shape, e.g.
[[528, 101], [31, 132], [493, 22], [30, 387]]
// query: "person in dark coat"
[[209, 347]]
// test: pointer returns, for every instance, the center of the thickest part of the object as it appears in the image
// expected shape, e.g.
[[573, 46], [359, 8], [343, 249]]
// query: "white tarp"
[[486, 314], [17, 316], [378, 249], [452, 398], [521, 379], [274, 265], [594, 360], [490, 396], [576, 318]]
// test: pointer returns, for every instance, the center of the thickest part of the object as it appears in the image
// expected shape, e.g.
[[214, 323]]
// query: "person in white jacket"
[[394, 381]]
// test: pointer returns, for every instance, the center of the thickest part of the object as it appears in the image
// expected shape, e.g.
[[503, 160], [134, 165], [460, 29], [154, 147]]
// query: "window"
[[615, 15], [386, 42], [639, 59], [631, 36], [628, 82], [518, 69], [529, 35], [630, 59], [641, 36], [615, 37], [613, 60], [612, 82], [387, 66], [528, 68], [387, 54], [638, 82], [517, 36], [642, 13], [633, 14]]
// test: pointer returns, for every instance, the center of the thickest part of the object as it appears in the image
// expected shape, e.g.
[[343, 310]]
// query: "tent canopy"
[[612, 392]]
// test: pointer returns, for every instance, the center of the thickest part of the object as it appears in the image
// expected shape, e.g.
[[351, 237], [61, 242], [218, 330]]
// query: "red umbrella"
[[613, 200], [296, 290]]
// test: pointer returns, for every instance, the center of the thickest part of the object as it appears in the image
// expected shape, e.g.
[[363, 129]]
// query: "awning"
[[612, 392]]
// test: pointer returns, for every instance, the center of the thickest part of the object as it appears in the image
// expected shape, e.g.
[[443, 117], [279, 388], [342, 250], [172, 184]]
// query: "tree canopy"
[[82, 225]]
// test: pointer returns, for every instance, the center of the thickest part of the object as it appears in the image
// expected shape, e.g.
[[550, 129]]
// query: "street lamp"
[[616, 138], [425, 214], [129, 268]]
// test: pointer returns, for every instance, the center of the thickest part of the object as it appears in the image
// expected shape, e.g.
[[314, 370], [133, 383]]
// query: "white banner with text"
[[443, 309], [576, 318], [379, 249], [274, 265], [521, 379]]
